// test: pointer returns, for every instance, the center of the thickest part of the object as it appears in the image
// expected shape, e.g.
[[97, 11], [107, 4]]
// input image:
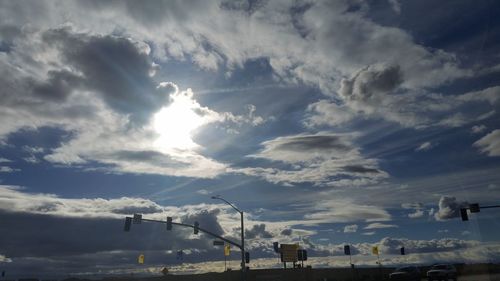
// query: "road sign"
[[140, 259], [227, 250], [375, 250], [289, 252]]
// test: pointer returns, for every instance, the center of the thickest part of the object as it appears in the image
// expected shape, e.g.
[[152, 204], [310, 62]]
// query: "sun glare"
[[175, 123]]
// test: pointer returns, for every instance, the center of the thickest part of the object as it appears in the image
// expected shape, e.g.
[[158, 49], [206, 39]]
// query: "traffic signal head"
[[169, 223], [196, 227], [474, 208], [347, 250], [247, 257], [402, 251], [276, 247], [128, 223], [137, 219], [463, 214]]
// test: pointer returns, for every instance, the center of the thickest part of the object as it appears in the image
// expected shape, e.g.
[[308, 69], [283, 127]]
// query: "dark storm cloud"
[[45, 244], [360, 169], [287, 232], [32, 235], [207, 220], [118, 68], [258, 231]]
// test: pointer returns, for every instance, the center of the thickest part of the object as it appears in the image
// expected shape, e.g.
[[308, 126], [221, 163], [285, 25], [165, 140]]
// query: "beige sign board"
[[289, 252]]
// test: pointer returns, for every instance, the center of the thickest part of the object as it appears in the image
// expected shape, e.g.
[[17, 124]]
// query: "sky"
[[369, 123]]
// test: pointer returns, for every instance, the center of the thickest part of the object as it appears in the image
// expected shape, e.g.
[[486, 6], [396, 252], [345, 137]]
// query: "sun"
[[176, 123]]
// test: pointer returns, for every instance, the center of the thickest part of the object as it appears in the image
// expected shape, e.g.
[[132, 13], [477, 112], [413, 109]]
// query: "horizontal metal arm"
[[200, 229], [492, 206]]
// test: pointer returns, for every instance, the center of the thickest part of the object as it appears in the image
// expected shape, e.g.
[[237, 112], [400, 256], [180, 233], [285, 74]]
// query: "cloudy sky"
[[327, 122]]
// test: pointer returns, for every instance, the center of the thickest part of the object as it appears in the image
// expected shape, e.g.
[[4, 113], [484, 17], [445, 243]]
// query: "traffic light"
[[474, 208], [196, 227], [347, 250], [128, 223], [463, 214], [169, 223], [276, 247], [247, 257], [402, 251]]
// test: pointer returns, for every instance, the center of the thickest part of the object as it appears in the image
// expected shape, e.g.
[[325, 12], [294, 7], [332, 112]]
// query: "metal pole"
[[242, 246], [351, 265], [243, 267]]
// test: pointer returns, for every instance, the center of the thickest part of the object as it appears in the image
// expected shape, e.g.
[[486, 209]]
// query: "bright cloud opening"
[[177, 122]]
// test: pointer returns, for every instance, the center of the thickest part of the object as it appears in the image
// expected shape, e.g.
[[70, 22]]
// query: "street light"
[[242, 231]]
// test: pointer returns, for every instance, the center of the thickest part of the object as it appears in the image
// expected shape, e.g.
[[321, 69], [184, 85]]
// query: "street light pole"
[[243, 267]]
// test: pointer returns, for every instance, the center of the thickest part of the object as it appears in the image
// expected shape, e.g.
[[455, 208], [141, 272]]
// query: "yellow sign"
[[375, 250], [289, 252], [140, 259], [227, 250]]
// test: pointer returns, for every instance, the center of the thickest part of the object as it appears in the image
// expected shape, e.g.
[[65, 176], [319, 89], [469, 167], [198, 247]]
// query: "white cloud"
[[416, 214], [351, 228], [370, 233], [5, 169], [111, 117], [418, 211], [449, 208], [344, 210], [5, 259], [396, 6], [324, 112], [203, 192], [425, 146], [4, 160], [33, 149], [416, 205], [377, 225], [489, 144], [324, 159], [318, 45], [477, 129]]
